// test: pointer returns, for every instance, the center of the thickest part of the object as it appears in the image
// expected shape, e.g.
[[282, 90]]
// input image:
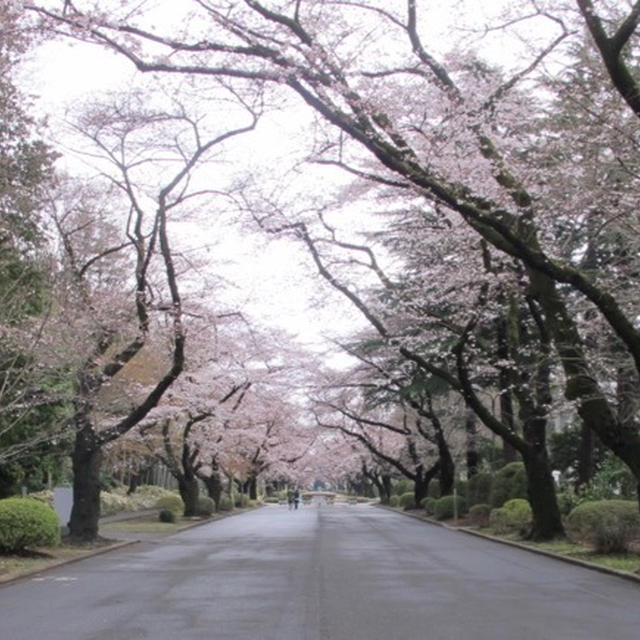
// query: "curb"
[[626, 575]]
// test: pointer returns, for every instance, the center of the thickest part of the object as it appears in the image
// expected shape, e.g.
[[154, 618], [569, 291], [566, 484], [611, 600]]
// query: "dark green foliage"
[[479, 489], [394, 500], [566, 502], [224, 504], [564, 452], [406, 500], [613, 480], [479, 515], [25, 522], [430, 505], [610, 525], [401, 486], [206, 506], [240, 500], [508, 482], [514, 516], [166, 515], [172, 503], [444, 507], [434, 489]]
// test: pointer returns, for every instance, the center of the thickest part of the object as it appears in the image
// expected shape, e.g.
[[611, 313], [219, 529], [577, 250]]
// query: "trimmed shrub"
[[166, 515], [172, 502], [25, 522], [610, 525], [514, 516], [401, 486], [240, 500], [406, 500], [479, 515], [393, 501], [444, 507], [224, 504], [434, 489], [45, 496], [206, 506], [111, 503], [508, 483], [270, 500], [479, 488], [430, 505]]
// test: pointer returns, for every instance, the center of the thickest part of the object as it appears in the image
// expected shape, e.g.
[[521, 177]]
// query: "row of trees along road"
[[528, 167], [94, 325]]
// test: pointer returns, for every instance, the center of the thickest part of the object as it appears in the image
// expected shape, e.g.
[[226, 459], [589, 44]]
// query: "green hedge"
[[514, 516], [172, 502], [401, 486], [25, 522], [610, 525], [430, 505], [479, 489], [406, 500], [224, 504], [393, 501], [206, 506], [479, 515], [444, 507], [508, 483]]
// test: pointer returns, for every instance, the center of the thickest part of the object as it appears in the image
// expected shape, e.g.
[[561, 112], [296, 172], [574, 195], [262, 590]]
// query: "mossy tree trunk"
[[87, 460]]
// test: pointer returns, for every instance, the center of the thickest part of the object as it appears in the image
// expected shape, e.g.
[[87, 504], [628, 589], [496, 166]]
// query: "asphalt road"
[[328, 573]]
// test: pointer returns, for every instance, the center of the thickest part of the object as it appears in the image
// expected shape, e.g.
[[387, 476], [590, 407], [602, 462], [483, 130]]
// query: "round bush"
[[241, 500], [393, 501], [401, 486], [430, 506], [479, 488], [610, 525], [166, 515], [206, 506], [172, 502], [508, 483], [406, 500], [444, 507], [224, 504], [25, 522], [479, 515], [514, 516]]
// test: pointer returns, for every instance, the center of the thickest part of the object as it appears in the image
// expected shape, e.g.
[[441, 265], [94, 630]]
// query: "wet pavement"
[[320, 573]]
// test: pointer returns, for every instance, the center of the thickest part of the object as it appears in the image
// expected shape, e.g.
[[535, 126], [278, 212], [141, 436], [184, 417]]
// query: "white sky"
[[274, 281]]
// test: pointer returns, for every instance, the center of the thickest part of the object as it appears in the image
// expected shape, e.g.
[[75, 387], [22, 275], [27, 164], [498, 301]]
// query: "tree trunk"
[[472, 457], [509, 454], [586, 467], [87, 459], [447, 466], [421, 482], [213, 483], [547, 521], [252, 488], [189, 492]]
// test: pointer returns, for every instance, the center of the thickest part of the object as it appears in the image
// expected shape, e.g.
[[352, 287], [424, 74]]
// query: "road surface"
[[320, 573]]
